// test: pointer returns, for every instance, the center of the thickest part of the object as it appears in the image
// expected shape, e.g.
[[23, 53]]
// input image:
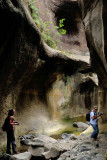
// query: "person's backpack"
[[6, 124], [88, 116]]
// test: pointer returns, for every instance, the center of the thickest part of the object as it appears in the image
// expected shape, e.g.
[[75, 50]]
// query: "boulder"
[[28, 136], [25, 139], [89, 130], [44, 139], [36, 143], [65, 136], [69, 136], [22, 156], [36, 151], [80, 125], [99, 157], [52, 153], [6, 157], [73, 137]]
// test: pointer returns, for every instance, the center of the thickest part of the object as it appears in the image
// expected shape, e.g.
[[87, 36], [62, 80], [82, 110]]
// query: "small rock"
[[52, 153], [73, 137], [22, 156], [65, 136], [36, 151], [83, 158], [24, 142], [85, 147], [99, 157]]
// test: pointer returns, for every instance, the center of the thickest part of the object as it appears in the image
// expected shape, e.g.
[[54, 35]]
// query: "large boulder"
[[89, 130]]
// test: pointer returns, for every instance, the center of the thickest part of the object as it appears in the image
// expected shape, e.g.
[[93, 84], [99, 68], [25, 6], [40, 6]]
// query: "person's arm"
[[94, 117], [12, 122]]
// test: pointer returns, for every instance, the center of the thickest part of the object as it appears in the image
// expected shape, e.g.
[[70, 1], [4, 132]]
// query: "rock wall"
[[67, 95], [53, 11], [51, 96], [93, 14]]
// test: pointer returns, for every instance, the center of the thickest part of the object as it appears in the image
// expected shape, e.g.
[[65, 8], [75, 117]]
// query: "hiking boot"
[[8, 152], [97, 139]]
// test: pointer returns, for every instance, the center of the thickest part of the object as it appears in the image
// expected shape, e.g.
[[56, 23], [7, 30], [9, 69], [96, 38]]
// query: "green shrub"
[[43, 26]]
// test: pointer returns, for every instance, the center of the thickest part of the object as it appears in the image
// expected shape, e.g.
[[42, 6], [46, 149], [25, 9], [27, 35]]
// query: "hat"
[[95, 107]]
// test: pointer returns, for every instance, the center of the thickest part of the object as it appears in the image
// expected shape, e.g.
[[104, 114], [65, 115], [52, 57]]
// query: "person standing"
[[10, 132], [94, 122]]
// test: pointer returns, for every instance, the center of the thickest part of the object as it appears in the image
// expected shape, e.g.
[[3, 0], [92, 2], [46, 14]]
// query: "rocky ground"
[[70, 147]]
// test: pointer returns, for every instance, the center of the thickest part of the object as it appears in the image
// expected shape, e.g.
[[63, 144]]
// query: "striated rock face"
[[52, 11], [68, 93], [93, 14]]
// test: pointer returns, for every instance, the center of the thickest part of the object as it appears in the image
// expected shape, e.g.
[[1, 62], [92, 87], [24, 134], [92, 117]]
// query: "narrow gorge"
[[53, 63]]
